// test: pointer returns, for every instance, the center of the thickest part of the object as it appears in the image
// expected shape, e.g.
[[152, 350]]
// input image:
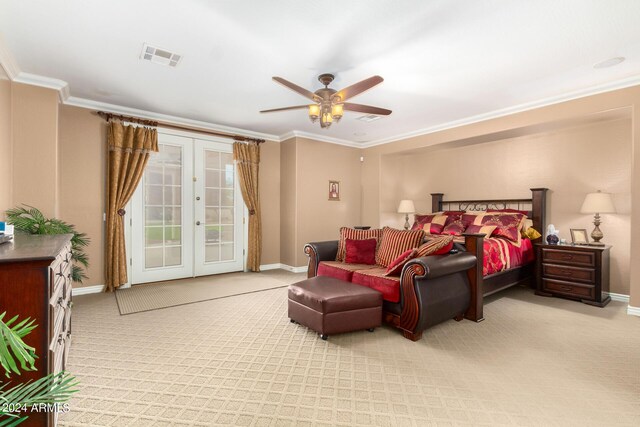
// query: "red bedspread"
[[501, 254]]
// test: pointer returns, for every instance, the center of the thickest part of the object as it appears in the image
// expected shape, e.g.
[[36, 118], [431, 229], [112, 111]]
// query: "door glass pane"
[[163, 207], [219, 176]]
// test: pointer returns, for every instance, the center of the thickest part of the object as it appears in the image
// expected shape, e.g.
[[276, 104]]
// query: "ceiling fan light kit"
[[329, 105]]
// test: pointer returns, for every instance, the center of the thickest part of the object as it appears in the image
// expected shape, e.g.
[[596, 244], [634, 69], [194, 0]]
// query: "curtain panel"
[[129, 149], [247, 157]]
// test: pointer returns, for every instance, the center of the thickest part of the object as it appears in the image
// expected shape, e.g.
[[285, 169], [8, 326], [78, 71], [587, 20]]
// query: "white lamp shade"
[[598, 203], [406, 206]]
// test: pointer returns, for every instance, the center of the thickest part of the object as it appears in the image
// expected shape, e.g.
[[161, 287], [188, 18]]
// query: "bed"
[[514, 273]]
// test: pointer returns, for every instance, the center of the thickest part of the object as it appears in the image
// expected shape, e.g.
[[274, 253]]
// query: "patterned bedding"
[[501, 254]]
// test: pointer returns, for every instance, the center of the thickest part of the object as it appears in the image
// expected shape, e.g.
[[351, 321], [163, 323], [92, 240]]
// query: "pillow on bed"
[[525, 213], [421, 220], [508, 226], [394, 242], [456, 223], [353, 234], [435, 226], [487, 230], [530, 233]]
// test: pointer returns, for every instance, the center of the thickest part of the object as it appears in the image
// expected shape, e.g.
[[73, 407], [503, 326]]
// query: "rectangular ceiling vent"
[[159, 56], [369, 118]]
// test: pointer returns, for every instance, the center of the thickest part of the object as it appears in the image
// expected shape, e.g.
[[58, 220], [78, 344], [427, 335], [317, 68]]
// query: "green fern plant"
[[50, 389], [31, 220]]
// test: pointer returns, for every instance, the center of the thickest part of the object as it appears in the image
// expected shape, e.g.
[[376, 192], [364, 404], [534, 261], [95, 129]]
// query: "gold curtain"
[[247, 157], [129, 149]]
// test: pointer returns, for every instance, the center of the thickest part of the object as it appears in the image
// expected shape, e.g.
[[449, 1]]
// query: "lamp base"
[[596, 244], [406, 222]]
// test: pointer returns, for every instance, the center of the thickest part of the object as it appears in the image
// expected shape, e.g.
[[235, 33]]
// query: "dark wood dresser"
[[35, 282], [576, 272]]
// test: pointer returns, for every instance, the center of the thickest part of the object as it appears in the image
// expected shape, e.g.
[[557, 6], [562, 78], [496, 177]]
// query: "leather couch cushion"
[[340, 270], [329, 295], [375, 278]]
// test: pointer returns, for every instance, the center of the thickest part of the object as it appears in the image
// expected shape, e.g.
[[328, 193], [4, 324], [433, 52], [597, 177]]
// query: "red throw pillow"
[[361, 251], [395, 242], [487, 230], [395, 268], [438, 246], [456, 224], [350, 233]]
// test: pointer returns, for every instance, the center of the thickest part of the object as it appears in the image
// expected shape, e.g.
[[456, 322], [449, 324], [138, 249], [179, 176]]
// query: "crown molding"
[[321, 138], [47, 82], [149, 115], [582, 93], [7, 60]]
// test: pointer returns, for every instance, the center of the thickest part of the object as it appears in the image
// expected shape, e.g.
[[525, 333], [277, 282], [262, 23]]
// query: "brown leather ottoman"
[[331, 306]]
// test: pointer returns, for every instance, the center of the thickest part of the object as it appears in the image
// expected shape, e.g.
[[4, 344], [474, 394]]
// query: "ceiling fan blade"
[[297, 107], [294, 87], [359, 108], [358, 88]]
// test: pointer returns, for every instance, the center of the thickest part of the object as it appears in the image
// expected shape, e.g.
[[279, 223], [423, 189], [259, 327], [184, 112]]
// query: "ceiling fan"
[[329, 104]]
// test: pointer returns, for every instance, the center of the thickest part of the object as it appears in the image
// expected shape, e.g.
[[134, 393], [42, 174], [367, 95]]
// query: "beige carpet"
[[154, 296], [535, 361]]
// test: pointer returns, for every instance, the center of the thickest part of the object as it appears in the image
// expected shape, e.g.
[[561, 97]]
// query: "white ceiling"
[[442, 61]]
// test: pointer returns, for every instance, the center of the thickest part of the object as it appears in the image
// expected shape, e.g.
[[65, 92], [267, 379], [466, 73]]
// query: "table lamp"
[[597, 203], [406, 207]]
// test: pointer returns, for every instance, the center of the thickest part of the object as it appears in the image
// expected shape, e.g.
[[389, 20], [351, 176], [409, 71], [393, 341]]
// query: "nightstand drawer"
[[587, 275], [569, 289], [570, 257]]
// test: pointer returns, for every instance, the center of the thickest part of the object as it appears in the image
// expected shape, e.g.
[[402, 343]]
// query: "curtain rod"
[[109, 116]]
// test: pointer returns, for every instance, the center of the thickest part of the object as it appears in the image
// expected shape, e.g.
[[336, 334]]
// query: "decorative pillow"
[[353, 234], [395, 268], [480, 229], [394, 242], [525, 213], [436, 225], [437, 246], [508, 226], [420, 220], [361, 251], [456, 223], [531, 233]]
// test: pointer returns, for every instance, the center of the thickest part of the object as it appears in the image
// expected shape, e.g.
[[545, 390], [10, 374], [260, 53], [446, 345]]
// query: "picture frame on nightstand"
[[579, 236]]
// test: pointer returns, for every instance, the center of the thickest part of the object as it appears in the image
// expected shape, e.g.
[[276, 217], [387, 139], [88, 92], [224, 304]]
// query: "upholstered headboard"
[[536, 206]]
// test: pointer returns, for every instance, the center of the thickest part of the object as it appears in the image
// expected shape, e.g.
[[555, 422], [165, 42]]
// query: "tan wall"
[[83, 144], [35, 147], [568, 162], [6, 146], [518, 125], [270, 201], [288, 198]]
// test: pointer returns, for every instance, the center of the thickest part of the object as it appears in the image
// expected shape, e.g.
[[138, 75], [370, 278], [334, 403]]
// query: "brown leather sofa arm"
[[320, 251], [434, 289]]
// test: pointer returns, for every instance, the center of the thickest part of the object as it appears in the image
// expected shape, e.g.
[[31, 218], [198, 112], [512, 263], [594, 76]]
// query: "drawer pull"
[[566, 288], [567, 257]]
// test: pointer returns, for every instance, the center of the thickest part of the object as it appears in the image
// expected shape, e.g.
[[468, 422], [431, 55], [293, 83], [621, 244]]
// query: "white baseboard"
[[85, 290], [293, 269], [276, 266], [634, 311], [619, 297], [266, 267]]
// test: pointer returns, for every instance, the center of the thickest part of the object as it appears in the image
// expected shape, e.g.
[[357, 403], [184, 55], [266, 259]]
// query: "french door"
[[187, 212]]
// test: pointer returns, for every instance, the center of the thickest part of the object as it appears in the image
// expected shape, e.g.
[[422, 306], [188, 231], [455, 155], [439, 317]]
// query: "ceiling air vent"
[[159, 56], [369, 118]]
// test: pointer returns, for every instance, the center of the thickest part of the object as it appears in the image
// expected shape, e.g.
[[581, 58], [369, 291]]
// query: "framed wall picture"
[[334, 190], [579, 236]]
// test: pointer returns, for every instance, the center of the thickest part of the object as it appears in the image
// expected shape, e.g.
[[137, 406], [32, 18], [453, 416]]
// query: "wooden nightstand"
[[575, 272]]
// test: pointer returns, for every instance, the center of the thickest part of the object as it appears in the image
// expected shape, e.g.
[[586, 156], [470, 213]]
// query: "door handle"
[[197, 222]]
